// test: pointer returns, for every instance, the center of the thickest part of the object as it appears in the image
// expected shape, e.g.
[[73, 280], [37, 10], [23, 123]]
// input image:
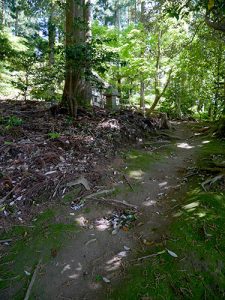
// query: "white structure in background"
[[103, 94]]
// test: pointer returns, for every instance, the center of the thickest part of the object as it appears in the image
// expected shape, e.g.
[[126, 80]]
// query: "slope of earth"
[[108, 232], [42, 150], [81, 251]]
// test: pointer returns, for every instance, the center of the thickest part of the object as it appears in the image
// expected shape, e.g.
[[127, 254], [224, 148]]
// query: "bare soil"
[[95, 259]]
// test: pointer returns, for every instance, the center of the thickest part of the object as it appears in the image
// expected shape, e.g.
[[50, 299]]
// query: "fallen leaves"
[[28, 152]]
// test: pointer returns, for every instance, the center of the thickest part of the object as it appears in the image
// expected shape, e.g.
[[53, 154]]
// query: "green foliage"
[[54, 135], [6, 49], [130, 48], [11, 121]]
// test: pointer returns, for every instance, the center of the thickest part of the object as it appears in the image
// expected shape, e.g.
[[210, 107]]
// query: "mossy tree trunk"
[[77, 35]]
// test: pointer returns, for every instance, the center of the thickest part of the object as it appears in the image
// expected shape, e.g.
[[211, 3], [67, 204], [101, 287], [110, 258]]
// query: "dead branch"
[[80, 180], [127, 181], [100, 193], [12, 190], [211, 181], [148, 256], [5, 241], [117, 203], [27, 296]]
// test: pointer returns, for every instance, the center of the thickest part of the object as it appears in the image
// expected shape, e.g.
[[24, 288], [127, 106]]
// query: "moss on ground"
[[140, 161], [196, 236], [42, 239]]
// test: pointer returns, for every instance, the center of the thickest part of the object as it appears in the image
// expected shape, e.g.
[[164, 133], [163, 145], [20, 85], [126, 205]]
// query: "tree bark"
[[117, 14], [215, 25], [2, 17], [76, 32], [159, 95], [51, 35], [17, 22], [142, 96], [142, 18], [219, 58]]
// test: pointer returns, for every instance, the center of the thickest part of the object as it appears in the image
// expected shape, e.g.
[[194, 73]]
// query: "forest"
[[112, 149], [162, 55]]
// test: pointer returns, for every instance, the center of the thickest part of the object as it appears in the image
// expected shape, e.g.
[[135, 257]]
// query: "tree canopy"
[[158, 55]]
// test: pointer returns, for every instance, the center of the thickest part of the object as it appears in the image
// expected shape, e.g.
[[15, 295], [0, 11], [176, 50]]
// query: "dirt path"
[[94, 252]]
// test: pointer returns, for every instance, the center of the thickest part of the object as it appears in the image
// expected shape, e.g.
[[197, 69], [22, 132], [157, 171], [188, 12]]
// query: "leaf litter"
[[32, 164]]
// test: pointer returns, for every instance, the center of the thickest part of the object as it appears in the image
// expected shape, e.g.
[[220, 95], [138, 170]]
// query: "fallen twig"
[[80, 180], [148, 256], [12, 190], [57, 187], [127, 181], [103, 192], [211, 181], [117, 202], [27, 296], [5, 241]]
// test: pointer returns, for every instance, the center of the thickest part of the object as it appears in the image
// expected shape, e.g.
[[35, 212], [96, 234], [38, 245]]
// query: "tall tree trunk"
[[51, 45], [135, 11], [2, 17], [17, 22], [87, 94], [117, 14], [159, 94], [219, 58], [76, 32], [142, 18], [73, 75], [142, 96], [51, 35]]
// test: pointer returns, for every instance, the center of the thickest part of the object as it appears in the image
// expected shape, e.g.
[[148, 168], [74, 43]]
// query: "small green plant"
[[11, 121], [14, 121], [8, 143], [54, 135], [69, 120]]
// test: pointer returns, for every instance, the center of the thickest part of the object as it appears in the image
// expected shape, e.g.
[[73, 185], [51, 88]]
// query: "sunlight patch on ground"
[[184, 146], [82, 221], [178, 214], [102, 224], [112, 123], [201, 214], [114, 263], [162, 184], [149, 202], [66, 268], [191, 205], [137, 174], [76, 275]]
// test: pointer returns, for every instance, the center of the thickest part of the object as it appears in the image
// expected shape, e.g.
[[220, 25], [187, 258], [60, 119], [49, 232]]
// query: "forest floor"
[[149, 230]]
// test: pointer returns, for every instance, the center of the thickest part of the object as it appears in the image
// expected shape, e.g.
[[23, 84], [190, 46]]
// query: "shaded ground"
[[86, 260], [80, 267], [188, 263], [43, 150]]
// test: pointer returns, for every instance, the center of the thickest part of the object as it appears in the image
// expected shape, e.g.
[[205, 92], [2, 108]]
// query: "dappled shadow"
[[115, 262]]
